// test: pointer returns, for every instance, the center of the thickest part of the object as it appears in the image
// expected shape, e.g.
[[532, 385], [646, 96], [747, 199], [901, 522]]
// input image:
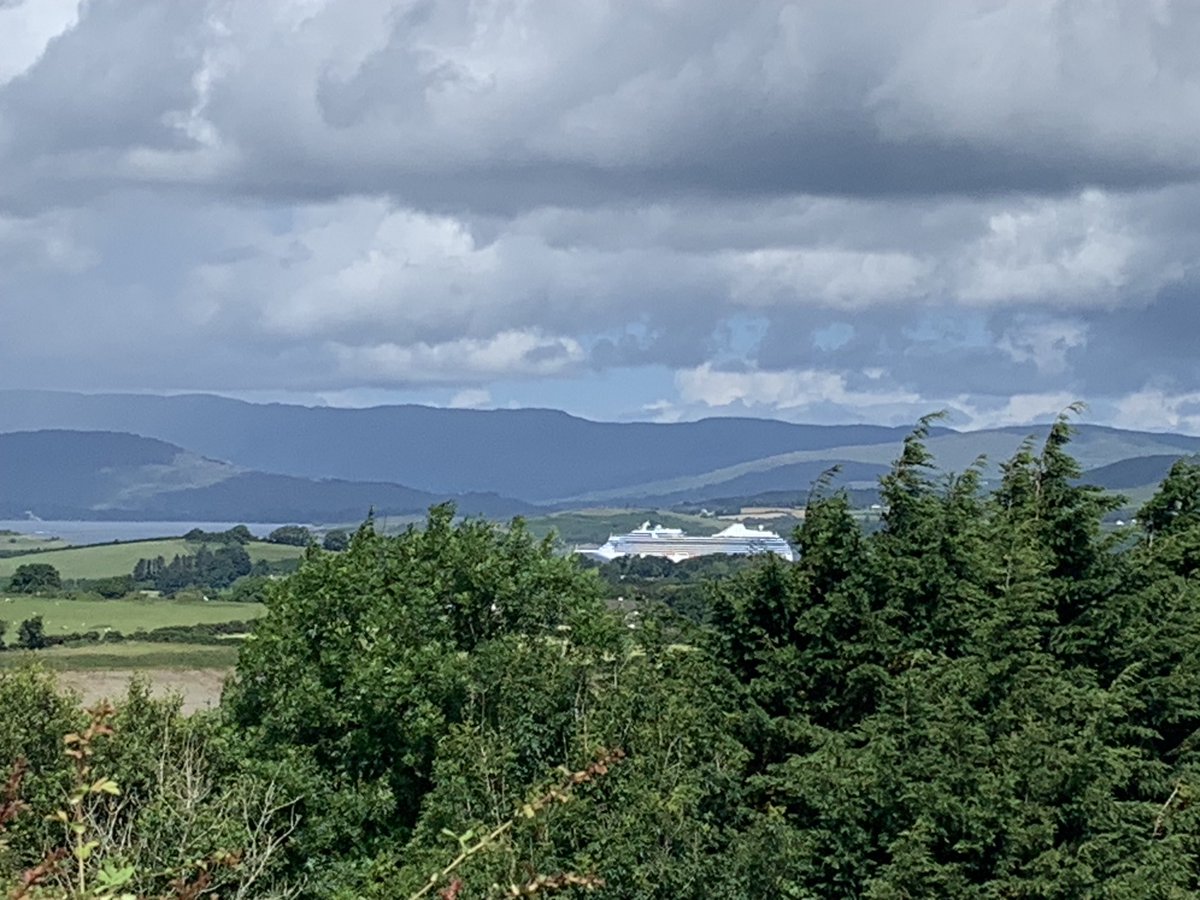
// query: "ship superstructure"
[[675, 545]]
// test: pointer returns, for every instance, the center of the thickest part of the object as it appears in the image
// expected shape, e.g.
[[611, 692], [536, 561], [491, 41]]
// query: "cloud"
[[1156, 410], [26, 27], [505, 105], [508, 353], [1018, 409], [781, 390], [830, 209], [472, 398], [1045, 344]]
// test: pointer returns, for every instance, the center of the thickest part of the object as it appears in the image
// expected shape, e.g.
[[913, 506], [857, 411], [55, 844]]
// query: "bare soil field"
[[199, 688]]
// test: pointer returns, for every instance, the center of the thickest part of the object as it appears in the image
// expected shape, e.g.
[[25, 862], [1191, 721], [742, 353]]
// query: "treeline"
[[31, 634], [989, 696], [216, 569]]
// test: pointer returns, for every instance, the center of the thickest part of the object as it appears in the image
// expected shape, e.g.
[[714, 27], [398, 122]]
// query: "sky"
[[821, 211]]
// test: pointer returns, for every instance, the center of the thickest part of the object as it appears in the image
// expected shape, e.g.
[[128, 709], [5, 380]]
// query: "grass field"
[[12, 542], [126, 616], [105, 560], [130, 655]]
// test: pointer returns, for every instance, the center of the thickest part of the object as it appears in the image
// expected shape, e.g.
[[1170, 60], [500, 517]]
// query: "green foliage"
[[33, 578], [31, 635], [215, 569], [335, 540], [249, 589], [1001, 711], [988, 696], [239, 534], [36, 716], [291, 535], [364, 659], [112, 588], [135, 800], [683, 587]]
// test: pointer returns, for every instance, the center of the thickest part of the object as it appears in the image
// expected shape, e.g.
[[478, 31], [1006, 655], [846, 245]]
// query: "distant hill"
[[1094, 446], [62, 474], [537, 456], [790, 479], [1130, 474]]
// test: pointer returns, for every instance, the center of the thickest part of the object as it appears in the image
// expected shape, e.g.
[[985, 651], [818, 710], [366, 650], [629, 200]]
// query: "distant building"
[[675, 545]]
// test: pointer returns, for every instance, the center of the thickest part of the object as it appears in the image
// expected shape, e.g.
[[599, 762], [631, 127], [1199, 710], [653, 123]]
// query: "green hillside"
[[105, 560], [63, 616], [96, 475], [955, 451]]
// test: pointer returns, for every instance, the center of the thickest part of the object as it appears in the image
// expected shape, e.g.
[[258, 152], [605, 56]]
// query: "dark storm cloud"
[[507, 106], [1151, 344], [816, 208]]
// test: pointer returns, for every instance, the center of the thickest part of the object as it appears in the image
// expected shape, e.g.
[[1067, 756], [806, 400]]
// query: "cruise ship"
[[675, 545]]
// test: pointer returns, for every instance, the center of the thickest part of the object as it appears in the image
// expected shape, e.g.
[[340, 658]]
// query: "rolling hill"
[[60, 474], [536, 455], [1131, 474], [285, 461]]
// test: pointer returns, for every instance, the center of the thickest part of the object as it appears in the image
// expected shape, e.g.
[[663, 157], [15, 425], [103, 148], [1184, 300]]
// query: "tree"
[[113, 587], [148, 570], [240, 534], [362, 666], [32, 578], [3, 631], [335, 540], [292, 535], [31, 635]]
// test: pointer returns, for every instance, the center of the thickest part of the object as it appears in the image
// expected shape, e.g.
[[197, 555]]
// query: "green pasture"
[[63, 616], [15, 542], [128, 655], [106, 560]]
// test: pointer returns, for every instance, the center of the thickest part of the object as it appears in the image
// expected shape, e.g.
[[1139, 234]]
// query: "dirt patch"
[[200, 688]]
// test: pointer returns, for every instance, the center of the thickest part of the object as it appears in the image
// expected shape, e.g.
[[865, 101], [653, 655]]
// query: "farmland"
[[106, 560], [63, 616], [196, 672], [198, 688], [12, 542], [141, 656]]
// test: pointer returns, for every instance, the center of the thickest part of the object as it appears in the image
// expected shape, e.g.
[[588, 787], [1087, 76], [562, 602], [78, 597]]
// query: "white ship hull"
[[673, 544]]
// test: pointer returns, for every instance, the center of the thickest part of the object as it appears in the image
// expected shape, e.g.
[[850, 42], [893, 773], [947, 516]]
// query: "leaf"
[[105, 786]]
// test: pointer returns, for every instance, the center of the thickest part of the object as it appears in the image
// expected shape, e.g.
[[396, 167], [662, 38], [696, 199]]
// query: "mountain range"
[[203, 456], [59, 474]]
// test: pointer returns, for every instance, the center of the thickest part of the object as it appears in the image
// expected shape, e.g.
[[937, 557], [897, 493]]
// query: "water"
[[107, 532]]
